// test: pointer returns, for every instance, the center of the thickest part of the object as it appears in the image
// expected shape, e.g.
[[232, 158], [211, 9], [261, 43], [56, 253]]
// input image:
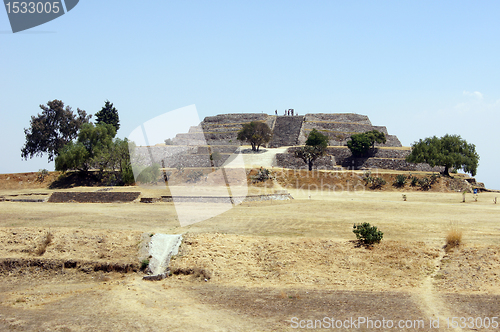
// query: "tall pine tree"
[[109, 115]]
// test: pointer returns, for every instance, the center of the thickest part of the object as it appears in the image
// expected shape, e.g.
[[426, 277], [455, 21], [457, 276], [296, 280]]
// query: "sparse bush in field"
[[262, 175], [367, 234], [425, 183], [144, 264], [414, 181], [42, 173], [42, 247], [367, 177], [400, 180], [377, 183], [434, 178], [453, 239], [194, 176], [374, 182]]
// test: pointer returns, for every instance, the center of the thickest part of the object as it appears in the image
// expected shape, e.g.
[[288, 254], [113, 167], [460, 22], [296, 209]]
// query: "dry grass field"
[[254, 267]]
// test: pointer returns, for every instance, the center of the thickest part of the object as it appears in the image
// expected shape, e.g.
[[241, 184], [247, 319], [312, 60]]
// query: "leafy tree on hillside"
[[315, 147], [448, 151], [257, 133], [361, 143], [51, 130], [108, 114]]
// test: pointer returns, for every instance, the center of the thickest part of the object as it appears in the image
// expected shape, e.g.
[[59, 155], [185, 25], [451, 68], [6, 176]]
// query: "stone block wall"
[[236, 118], [394, 164], [288, 160], [93, 197], [341, 153], [339, 127], [220, 132], [339, 117], [340, 156]]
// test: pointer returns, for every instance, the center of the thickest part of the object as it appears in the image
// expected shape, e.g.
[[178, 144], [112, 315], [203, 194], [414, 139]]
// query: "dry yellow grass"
[[264, 261], [42, 246], [453, 239]]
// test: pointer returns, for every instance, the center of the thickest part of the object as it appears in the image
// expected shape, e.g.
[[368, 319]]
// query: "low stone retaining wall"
[[396, 164], [339, 117], [380, 159], [344, 153], [236, 118], [342, 127], [288, 160], [93, 197], [225, 199]]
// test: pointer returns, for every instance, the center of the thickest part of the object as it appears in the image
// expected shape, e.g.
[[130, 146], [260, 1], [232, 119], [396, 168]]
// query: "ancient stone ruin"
[[216, 136]]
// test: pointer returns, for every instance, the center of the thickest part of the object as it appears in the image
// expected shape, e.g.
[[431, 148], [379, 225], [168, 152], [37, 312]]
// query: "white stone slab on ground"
[[161, 248]]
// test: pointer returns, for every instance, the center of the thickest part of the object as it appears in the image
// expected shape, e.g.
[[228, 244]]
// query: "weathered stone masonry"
[[219, 134]]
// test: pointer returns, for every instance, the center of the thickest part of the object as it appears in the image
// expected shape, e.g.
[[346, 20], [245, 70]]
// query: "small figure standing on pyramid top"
[[276, 112]]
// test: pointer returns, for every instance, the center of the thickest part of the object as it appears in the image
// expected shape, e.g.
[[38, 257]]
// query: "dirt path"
[[264, 159], [430, 301]]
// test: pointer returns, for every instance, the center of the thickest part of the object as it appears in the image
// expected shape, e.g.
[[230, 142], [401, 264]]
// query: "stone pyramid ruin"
[[219, 134]]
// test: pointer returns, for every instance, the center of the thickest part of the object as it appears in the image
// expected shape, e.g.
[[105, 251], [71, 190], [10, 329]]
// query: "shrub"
[[400, 180], [42, 247], [42, 173], [434, 178], [425, 183], [144, 264], [374, 182], [453, 239], [367, 177], [377, 183], [169, 141], [414, 181], [262, 175], [367, 234]]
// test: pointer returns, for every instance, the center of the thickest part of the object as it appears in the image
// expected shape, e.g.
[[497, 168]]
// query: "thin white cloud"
[[475, 94]]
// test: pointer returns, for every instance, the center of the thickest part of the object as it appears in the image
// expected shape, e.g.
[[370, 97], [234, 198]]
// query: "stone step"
[[286, 131]]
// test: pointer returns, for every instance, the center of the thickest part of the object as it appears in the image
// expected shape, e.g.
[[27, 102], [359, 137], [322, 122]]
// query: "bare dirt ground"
[[262, 266]]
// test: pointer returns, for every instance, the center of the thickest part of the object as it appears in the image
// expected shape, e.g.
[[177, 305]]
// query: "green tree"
[[315, 147], [92, 149], [51, 130], [448, 151], [376, 136], [123, 149], [108, 114], [361, 143], [257, 133]]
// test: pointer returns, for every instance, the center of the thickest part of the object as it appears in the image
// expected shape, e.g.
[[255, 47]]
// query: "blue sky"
[[421, 68]]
